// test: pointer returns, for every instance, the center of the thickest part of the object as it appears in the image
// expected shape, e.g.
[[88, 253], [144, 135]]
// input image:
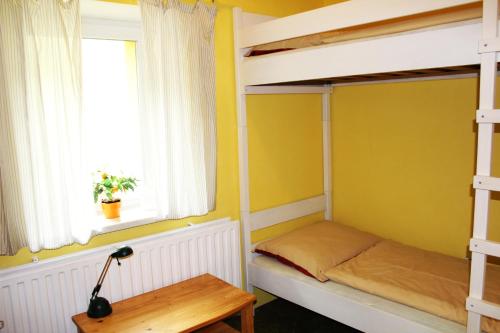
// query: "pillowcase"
[[318, 247]]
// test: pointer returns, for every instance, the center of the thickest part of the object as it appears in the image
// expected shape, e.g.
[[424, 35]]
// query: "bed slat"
[[486, 183], [297, 89], [490, 248], [488, 116], [483, 307], [489, 45]]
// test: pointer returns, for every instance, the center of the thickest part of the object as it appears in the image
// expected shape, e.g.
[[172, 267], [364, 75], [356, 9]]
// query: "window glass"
[[112, 140]]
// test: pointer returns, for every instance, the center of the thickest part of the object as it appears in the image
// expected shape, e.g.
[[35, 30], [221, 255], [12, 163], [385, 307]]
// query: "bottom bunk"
[[418, 291], [353, 307]]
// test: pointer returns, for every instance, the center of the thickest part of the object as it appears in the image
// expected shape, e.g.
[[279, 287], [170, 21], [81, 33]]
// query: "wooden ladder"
[[487, 116]]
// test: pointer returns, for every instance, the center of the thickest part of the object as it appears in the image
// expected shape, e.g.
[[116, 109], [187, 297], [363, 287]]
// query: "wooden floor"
[[280, 316]]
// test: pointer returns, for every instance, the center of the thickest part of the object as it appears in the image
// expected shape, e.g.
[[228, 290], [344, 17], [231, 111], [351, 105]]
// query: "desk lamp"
[[99, 306]]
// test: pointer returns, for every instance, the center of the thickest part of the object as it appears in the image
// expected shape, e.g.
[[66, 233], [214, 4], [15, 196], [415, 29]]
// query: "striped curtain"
[[5, 247], [179, 127], [42, 201]]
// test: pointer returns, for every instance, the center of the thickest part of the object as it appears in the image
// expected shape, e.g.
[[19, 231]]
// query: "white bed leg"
[[242, 150]]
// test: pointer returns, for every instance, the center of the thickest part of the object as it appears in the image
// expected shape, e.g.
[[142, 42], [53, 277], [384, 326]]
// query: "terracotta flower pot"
[[111, 210]]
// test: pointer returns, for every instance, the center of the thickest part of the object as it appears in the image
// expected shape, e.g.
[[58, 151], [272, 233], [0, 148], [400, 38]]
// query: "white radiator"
[[42, 297]]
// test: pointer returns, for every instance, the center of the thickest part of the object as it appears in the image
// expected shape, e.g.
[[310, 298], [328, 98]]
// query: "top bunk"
[[360, 40]]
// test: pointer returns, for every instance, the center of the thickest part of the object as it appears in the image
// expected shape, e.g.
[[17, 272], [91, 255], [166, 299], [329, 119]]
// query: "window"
[[112, 139], [179, 177], [111, 71]]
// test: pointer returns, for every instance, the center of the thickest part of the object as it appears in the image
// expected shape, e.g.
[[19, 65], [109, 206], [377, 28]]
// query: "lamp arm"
[[97, 288]]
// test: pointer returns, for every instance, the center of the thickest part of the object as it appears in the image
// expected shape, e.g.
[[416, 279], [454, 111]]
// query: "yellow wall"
[[403, 160], [227, 170], [270, 7], [285, 153]]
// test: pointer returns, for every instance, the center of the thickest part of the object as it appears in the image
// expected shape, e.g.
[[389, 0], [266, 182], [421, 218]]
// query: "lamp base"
[[99, 307]]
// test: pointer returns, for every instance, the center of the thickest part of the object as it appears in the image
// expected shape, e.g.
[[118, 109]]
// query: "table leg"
[[247, 319]]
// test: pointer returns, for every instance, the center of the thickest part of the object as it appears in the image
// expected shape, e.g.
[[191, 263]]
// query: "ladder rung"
[[488, 116], [486, 183], [485, 247], [489, 45], [483, 307]]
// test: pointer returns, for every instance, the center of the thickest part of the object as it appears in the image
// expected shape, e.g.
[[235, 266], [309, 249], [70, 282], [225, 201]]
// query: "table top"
[[182, 307]]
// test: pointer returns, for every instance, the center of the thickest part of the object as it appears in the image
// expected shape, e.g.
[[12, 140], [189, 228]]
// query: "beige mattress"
[[425, 280], [399, 25], [277, 269]]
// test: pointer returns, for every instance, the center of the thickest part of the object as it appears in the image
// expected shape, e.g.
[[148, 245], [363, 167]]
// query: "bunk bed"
[[364, 40]]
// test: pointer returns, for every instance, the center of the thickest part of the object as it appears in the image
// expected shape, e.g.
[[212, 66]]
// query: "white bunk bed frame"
[[445, 46]]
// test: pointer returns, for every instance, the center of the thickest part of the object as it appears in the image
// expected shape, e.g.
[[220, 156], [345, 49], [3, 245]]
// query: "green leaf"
[[105, 186]]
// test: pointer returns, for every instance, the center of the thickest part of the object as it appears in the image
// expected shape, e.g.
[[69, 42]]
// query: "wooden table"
[[198, 304]]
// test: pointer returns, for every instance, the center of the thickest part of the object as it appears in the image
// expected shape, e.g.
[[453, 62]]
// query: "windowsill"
[[129, 218]]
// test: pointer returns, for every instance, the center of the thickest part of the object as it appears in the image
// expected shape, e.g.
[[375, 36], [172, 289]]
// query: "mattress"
[[427, 281], [399, 25], [278, 272]]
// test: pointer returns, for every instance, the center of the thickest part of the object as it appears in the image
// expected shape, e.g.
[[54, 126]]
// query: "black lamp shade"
[[122, 253], [99, 307]]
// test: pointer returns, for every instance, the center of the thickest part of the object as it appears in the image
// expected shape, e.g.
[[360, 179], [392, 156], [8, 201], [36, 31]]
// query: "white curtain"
[[5, 247], [179, 127], [40, 125]]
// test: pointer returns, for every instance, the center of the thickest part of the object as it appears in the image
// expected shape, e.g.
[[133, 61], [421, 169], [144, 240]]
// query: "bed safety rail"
[[339, 16], [268, 217], [446, 46]]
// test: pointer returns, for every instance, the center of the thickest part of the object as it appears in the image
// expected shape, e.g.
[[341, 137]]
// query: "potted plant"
[[106, 190]]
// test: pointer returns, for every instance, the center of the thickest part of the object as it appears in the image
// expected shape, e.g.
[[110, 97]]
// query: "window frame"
[[111, 21]]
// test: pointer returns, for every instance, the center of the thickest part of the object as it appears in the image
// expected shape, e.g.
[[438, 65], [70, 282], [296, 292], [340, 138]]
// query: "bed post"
[[242, 149], [327, 154], [486, 117]]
